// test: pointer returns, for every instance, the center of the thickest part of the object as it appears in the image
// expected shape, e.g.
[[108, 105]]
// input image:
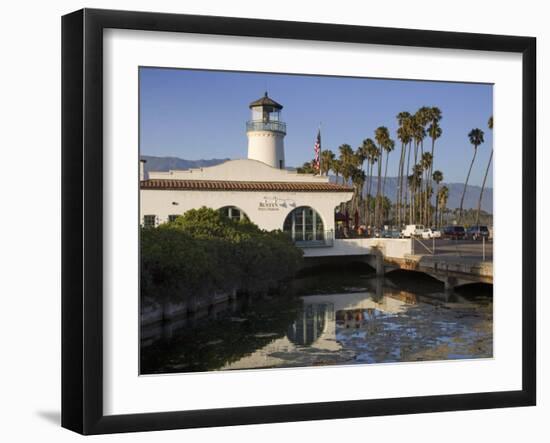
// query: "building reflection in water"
[[310, 323], [315, 327]]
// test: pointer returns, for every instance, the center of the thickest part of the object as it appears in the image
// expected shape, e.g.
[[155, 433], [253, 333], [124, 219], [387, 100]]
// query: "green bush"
[[203, 251]]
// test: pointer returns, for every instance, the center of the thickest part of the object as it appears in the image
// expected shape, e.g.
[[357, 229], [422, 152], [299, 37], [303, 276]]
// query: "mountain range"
[[455, 189], [173, 163], [455, 193]]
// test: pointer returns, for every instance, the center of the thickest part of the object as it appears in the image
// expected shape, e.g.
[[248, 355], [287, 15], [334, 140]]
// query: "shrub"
[[203, 251]]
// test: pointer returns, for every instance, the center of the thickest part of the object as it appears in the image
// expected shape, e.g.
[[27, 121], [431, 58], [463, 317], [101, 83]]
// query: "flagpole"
[[320, 149]]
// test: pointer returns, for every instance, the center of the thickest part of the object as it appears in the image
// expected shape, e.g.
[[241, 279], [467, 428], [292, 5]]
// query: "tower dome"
[[266, 132]]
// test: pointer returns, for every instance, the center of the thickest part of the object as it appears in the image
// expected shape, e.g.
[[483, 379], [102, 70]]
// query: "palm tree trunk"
[[378, 205], [398, 188], [466, 184], [483, 188], [399, 196], [385, 174], [369, 180], [436, 206], [427, 198], [354, 204], [432, 171], [404, 180], [384, 187], [369, 185], [414, 202], [420, 199]]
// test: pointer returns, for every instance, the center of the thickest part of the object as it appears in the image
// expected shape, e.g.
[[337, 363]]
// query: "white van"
[[412, 231]]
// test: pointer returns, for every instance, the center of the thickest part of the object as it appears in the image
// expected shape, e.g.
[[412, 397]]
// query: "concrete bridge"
[[453, 263]]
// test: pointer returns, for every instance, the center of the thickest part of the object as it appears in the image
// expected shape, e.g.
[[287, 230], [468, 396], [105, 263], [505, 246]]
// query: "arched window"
[[309, 325], [233, 213], [304, 224]]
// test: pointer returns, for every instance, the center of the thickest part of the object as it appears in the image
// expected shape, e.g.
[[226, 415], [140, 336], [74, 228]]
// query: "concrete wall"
[[390, 247]]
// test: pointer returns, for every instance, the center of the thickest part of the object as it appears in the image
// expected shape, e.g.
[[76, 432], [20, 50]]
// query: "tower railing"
[[260, 125]]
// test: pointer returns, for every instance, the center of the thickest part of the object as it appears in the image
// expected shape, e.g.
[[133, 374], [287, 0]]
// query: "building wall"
[[267, 210]]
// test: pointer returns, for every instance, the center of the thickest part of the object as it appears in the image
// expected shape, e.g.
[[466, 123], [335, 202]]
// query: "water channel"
[[328, 318]]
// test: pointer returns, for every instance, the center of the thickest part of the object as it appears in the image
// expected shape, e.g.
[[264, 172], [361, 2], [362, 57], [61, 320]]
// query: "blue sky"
[[194, 114]]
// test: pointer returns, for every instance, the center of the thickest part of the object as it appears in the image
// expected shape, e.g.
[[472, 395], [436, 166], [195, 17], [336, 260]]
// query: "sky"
[[197, 114]]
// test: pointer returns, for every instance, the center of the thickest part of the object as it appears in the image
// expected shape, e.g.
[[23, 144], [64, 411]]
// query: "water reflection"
[[372, 322]]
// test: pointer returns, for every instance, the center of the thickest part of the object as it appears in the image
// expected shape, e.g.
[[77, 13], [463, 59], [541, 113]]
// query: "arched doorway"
[[304, 224], [233, 213]]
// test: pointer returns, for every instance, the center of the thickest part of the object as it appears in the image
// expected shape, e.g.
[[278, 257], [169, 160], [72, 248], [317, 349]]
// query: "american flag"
[[317, 151]]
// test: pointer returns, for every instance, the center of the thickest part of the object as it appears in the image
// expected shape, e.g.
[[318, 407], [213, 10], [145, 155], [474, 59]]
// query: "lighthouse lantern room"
[[266, 132]]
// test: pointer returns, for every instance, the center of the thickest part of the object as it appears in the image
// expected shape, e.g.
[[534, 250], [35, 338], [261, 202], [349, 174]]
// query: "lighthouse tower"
[[266, 132]]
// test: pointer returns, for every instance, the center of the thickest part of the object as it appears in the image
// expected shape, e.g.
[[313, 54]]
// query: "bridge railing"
[[423, 246], [452, 248]]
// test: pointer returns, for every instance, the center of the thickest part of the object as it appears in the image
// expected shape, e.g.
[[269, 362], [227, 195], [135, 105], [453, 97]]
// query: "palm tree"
[[414, 181], [409, 129], [437, 177], [347, 159], [388, 147], [358, 180], [423, 116], [442, 198], [476, 139], [382, 137], [490, 125], [372, 158], [426, 163], [327, 157], [362, 153], [307, 168], [418, 134], [337, 168], [434, 132], [418, 170], [386, 207], [403, 134]]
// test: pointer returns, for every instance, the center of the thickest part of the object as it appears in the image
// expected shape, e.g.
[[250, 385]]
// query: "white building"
[[258, 187]]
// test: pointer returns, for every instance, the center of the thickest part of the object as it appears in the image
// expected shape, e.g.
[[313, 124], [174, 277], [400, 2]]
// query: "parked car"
[[431, 233], [412, 231], [454, 232], [391, 233], [477, 232]]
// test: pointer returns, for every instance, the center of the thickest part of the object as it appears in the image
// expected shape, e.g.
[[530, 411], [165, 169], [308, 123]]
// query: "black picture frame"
[[82, 217]]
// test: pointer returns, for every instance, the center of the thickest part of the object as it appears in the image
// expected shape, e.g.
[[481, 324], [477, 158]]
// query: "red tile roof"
[[222, 185]]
